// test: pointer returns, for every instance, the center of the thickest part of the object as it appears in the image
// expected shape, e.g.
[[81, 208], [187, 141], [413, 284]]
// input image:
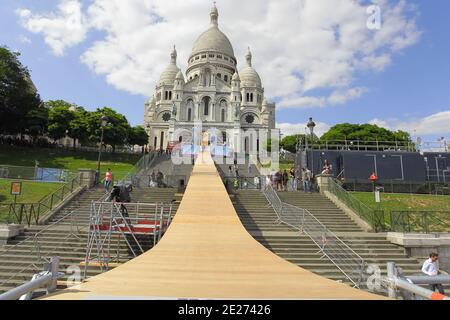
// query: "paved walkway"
[[208, 254]]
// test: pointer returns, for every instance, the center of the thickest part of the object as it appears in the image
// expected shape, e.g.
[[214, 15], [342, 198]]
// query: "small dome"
[[179, 76], [249, 76], [169, 74]]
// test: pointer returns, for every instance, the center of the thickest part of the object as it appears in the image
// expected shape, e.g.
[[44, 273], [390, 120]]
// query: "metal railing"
[[358, 145], [31, 213], [375, 218], [407, 286], [134, 175], [420, 221], [339, 253], [396, 186], [48, 278], [39, 254], [132, 222], [36, 174]]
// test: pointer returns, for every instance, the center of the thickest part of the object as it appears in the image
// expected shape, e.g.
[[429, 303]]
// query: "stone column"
[[87, 177], [323, 181]]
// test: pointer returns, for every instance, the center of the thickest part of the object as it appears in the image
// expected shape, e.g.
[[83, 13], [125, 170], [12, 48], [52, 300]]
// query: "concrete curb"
[[349, 212]]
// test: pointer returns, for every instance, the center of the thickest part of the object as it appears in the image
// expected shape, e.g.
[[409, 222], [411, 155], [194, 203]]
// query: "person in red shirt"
[[374, 179], [108, 180]]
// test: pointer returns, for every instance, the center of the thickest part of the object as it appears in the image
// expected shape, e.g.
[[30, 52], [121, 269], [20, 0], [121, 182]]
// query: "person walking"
[[431, 268], [108, 180]]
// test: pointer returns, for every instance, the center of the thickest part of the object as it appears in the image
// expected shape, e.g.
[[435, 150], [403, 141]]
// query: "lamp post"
[[103, 125], [311, 125]]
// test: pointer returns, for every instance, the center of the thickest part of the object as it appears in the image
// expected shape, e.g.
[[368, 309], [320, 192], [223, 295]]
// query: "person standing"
[[108, 180], [431, 268], [293, 180], [285, 178], [306, 179]]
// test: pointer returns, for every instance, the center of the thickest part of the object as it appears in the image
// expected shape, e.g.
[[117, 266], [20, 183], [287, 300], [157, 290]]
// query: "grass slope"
[[405, 202]]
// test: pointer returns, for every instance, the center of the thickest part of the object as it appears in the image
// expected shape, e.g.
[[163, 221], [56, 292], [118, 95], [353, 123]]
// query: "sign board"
[[377, 196], [16, 188]]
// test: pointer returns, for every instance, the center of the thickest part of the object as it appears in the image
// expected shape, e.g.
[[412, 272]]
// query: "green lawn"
[[120, 164], [405, 202], [32, 192]]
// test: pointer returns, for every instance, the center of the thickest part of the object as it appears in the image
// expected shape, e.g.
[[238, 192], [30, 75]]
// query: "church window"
[[189, 114], [226, 59], [225, 78], [166, 95], [206, 101], [248, 97], [203, 56], [211, 56], [170, 95], [219, 56], [197, 57], [166, 117], [222, 116], [250, 119], [251, 97], [219, 76]]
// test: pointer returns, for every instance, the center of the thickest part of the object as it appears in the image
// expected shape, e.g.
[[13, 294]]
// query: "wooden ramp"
[[207, 254]]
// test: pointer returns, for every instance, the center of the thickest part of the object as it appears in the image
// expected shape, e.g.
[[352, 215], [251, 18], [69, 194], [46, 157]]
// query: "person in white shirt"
[[431, 268]]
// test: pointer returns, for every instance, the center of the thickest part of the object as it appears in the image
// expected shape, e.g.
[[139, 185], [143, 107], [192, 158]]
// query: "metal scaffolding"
[[136, 223]]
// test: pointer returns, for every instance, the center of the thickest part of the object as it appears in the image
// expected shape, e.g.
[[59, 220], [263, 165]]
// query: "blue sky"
[[412, 92]]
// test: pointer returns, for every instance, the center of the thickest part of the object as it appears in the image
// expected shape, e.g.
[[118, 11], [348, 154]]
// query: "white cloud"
[[289, 129], [298, 45], [62, 29], [435, 124], [24, 39]]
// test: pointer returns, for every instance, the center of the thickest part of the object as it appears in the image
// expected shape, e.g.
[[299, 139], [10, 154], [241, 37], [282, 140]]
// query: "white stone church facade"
[[214, 92]]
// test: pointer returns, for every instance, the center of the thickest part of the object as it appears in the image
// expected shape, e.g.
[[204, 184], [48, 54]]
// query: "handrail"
[[360, 145], [408, 286], [419, 221], [331, 246], [34, 211], [47, 278], [374, 217]]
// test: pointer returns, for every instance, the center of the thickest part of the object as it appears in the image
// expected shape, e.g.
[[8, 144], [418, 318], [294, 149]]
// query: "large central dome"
[[213, 40]]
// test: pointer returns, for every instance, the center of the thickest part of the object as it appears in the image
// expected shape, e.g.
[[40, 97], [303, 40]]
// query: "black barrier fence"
[[394, 186]]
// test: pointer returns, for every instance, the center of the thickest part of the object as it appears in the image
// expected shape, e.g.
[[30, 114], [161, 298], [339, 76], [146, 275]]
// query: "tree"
[[364, 132], [18, 95], [138, 136], [37, 122], [289, 143], [115, 132], [59, 118], [79, 126]]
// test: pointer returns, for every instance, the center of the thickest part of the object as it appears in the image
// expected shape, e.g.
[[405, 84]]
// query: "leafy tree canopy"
[[18, 95], [138, 136], [364, 132]]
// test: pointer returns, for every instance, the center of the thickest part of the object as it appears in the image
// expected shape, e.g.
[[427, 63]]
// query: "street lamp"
[[311, 125], [104, 123]]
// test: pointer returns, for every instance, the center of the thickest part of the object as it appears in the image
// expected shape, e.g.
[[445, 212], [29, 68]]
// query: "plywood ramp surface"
[[208, 254]]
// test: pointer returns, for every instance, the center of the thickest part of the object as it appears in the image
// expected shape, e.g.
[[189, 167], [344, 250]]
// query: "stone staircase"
[[64, 239], [260, 220]]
